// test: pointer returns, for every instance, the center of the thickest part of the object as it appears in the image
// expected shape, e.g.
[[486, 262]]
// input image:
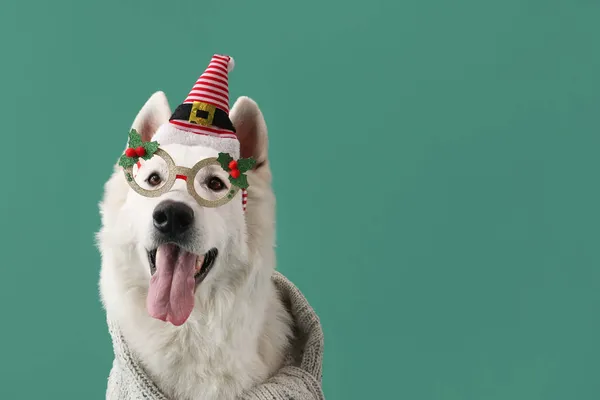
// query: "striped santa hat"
[[203, 118]]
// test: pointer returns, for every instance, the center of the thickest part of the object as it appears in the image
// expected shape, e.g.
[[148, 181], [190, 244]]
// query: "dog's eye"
[[215, 184], [154, 179]]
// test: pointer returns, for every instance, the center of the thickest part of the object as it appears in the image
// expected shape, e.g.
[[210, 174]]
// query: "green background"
[[435, 164]]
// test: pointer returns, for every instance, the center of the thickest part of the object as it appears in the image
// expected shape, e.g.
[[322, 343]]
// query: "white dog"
[[229, 329]]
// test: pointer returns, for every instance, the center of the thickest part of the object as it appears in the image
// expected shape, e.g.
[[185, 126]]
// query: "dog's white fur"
[[239, 330]]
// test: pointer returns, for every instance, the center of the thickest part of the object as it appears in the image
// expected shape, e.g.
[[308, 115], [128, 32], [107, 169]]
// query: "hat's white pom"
[[230, 64]]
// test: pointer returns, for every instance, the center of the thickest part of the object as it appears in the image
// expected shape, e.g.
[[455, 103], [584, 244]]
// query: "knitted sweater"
[[299, 379]]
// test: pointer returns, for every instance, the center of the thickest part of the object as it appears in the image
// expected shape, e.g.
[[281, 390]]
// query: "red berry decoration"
[[137, 148], [237, 169]]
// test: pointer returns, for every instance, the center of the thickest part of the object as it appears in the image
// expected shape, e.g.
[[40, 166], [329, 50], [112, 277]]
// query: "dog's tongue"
[[171, 293]]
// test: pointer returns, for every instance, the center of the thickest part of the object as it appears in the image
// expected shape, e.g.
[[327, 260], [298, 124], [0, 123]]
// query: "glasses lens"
[[211, 184], [150, 176]]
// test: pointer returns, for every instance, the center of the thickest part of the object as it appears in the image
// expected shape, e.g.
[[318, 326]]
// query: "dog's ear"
[[251, 129], [153, 114]]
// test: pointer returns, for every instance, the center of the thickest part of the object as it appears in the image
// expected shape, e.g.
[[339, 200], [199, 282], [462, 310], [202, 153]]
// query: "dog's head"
[[169, 246]]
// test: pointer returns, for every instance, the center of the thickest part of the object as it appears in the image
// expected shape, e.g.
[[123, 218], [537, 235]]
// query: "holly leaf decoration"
[[241, 181], [150, 148], [246, 164], [224, 159], [127, 162], [135, 139]]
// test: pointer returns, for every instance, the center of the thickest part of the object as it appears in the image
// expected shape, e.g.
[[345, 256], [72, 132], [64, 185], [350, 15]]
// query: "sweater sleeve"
[[290, 383]]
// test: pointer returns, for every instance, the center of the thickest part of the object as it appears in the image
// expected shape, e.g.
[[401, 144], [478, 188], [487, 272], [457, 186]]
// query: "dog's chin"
[[176, 274]]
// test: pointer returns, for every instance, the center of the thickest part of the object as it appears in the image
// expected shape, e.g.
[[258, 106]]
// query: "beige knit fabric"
[[299, 379]]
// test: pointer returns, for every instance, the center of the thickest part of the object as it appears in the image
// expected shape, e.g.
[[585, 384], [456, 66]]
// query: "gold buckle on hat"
[[198, 109]]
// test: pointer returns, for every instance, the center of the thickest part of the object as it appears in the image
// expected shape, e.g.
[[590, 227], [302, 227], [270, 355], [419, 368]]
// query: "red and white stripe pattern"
[[213, 88], [244, 198]]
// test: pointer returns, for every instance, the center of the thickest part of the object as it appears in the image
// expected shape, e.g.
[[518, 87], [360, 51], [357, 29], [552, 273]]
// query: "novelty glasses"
[[158, 173]]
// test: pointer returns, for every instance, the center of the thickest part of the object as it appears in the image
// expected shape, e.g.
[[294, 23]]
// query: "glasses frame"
[[175, 171]]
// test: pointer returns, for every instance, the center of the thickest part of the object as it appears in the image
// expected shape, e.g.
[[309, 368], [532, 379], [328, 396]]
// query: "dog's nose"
[[172, 217]]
